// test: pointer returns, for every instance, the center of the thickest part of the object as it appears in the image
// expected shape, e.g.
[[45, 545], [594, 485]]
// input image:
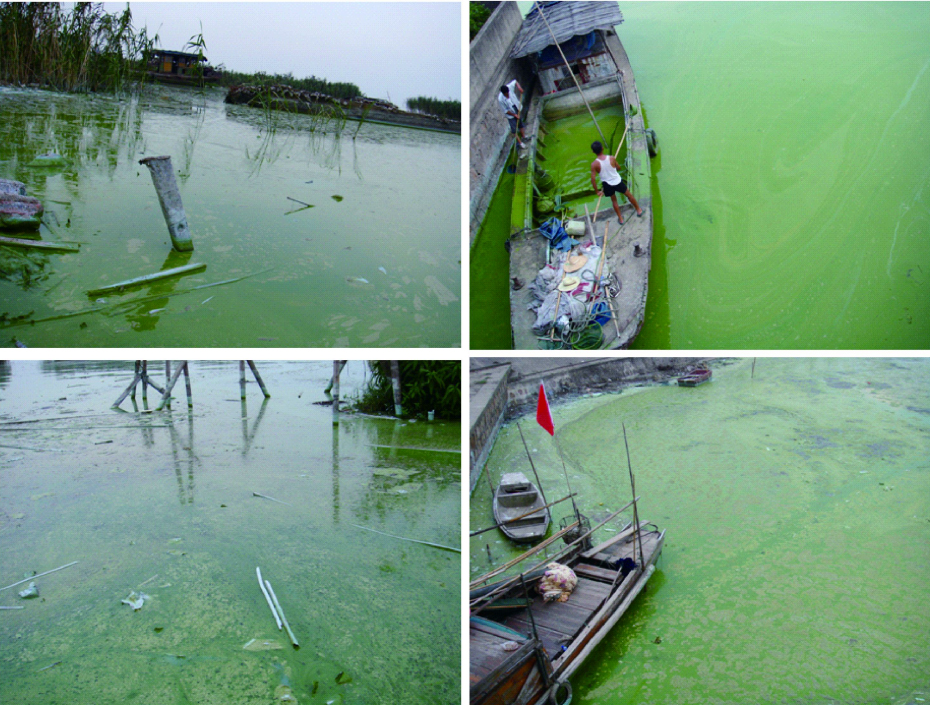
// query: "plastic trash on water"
[[29, 592], [136, 600]]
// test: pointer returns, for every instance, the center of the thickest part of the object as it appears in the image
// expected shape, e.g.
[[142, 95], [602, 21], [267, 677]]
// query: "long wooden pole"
[[536, 549], [530, 457], [639, 533], [570, 72], [522, 516], [507, 583]]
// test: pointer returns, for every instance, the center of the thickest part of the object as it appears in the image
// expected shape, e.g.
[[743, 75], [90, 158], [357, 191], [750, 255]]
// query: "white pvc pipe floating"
[[281, 612], [164, 274], [261, 584], [166, 186]]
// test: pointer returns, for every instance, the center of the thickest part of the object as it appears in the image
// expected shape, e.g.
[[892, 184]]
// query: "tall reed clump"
[[449, 109], [81, 49], [425, 385]]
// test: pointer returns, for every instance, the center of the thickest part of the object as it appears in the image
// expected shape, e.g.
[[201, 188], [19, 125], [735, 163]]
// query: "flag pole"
[[543, 406]]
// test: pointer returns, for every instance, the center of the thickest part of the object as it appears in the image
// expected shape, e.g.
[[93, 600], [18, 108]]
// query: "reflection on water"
[[384, 199], [163, 502], [797, 506]]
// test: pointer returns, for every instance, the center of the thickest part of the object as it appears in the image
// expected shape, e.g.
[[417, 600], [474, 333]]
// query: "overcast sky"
[[401, 49]]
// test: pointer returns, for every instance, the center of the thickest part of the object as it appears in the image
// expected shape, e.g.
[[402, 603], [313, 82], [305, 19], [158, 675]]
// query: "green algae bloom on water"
[[791, 190], [271, 261], [204, 633], [787, 566]]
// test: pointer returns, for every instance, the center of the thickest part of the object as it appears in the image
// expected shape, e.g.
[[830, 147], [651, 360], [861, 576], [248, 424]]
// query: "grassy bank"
[[83, 48]]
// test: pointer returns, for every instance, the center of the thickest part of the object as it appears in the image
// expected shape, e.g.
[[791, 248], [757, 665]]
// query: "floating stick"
[[146, 279], [4, 607], [425, 543], [256, 494], [283, 618], [261, 584], [300, 202], [33, 577], [39, 244]]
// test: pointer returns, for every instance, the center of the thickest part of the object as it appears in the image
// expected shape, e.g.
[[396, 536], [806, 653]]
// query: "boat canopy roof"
[[567, 20]]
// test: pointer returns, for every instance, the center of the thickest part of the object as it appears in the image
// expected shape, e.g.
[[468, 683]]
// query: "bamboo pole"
[[38, 244], [633, 489], [242, 379], [509, 564], [570, 72], [258, 378], [261, 584], [522, 516], [530, 457], [33, 577], [425, 543], [148, 278], [167, 393], [277, 604], [558, 555]]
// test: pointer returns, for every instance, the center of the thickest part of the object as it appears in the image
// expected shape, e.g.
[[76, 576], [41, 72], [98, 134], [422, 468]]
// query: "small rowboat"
[[514, 501], [699, 376]]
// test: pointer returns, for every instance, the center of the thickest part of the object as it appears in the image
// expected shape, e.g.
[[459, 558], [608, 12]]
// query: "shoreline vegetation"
[[81, 49], [86, 49]]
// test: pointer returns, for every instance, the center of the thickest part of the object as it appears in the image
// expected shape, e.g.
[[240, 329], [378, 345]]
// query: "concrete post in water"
[[166, 186], [395, 381], [242, 379], [145, 375]]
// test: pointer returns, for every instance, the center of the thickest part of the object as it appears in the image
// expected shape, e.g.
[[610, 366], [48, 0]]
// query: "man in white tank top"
[[510, 104], [612, 183]]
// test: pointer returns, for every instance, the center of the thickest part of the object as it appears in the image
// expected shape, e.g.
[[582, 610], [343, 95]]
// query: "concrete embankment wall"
[[506, 388], [490, 68]]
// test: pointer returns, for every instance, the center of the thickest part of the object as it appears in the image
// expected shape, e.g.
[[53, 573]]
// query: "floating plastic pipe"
[[166, 186]]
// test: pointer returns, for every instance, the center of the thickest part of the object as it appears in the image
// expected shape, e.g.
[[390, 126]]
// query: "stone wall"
[[490, 68], [488, 392]]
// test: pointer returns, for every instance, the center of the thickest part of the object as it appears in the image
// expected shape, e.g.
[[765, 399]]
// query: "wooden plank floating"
[[148, 278], [39, 244]]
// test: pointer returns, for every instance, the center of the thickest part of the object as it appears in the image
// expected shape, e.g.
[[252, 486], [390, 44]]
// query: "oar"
[[615, 156]]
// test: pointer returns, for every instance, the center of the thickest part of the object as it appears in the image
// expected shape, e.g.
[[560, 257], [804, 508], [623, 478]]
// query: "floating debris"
[[30, 592], [256, 494], [262, 645], [382, 269], [357, 280], [337, 199], [136, 601]]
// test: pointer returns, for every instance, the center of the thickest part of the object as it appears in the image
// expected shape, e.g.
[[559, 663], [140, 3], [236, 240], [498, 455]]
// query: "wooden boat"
[[693, 379], [585, 32], [514, 501], [527, 655]]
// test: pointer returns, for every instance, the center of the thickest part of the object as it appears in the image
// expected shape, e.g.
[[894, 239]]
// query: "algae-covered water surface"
[[163, 504], [797, 506], [373, 260], [792, 170]]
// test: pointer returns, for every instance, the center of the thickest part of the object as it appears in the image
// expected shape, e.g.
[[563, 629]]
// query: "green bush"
[[425, 385], [311, 83], [449, 109], [478, 15]]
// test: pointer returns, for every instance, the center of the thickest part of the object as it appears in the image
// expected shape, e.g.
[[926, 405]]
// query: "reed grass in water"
[[83, 48]]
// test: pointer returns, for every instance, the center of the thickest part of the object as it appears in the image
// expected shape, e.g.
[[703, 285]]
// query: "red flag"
[[543, 417]]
